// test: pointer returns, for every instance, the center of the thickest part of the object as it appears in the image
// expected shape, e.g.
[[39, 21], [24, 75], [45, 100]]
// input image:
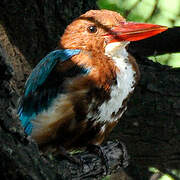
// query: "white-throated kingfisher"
[[77, 93]]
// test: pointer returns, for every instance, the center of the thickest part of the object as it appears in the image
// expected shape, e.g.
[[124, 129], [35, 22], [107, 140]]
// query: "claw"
[[98, 150], [63, 153], [125, 157]]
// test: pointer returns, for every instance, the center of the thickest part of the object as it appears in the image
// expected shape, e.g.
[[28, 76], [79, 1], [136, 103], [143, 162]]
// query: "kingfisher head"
[[101, 34], [96, 29]]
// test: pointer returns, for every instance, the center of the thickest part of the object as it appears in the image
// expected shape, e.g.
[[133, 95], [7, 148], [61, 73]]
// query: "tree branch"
[[150, 127]]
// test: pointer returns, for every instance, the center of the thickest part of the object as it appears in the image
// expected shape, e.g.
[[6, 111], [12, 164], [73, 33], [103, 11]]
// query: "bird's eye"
[[92, 29]]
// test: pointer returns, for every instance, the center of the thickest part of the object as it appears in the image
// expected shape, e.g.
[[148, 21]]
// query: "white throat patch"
[[125, 82]]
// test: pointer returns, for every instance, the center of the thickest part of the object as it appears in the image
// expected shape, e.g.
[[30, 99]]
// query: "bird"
[[78, 92]]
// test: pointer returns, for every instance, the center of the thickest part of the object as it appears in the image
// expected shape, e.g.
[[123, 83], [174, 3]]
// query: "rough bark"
[[150, 127]]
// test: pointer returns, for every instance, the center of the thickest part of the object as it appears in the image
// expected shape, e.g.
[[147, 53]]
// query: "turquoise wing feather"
[[38, 94], [45, 66]]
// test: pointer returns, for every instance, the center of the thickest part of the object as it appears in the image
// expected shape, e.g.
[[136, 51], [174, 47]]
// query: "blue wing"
[[45, 66], [41, 87]]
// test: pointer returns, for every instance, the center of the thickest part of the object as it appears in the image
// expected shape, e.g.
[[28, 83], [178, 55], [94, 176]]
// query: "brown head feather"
[[92, 45]]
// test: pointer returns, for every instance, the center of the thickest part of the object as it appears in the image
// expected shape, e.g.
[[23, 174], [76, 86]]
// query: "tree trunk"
[[149, 128]]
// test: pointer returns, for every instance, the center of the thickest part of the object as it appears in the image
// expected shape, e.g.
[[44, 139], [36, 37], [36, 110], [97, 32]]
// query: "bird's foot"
[[125, 157], [99, 151], [66, 155], [60, 153]]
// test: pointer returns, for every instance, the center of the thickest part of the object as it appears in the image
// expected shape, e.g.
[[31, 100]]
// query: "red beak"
[[131, 31]]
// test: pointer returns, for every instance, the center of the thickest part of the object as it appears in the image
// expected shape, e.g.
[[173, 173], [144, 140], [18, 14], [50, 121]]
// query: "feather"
[[38, 94], [45, 66], [41, 94]]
